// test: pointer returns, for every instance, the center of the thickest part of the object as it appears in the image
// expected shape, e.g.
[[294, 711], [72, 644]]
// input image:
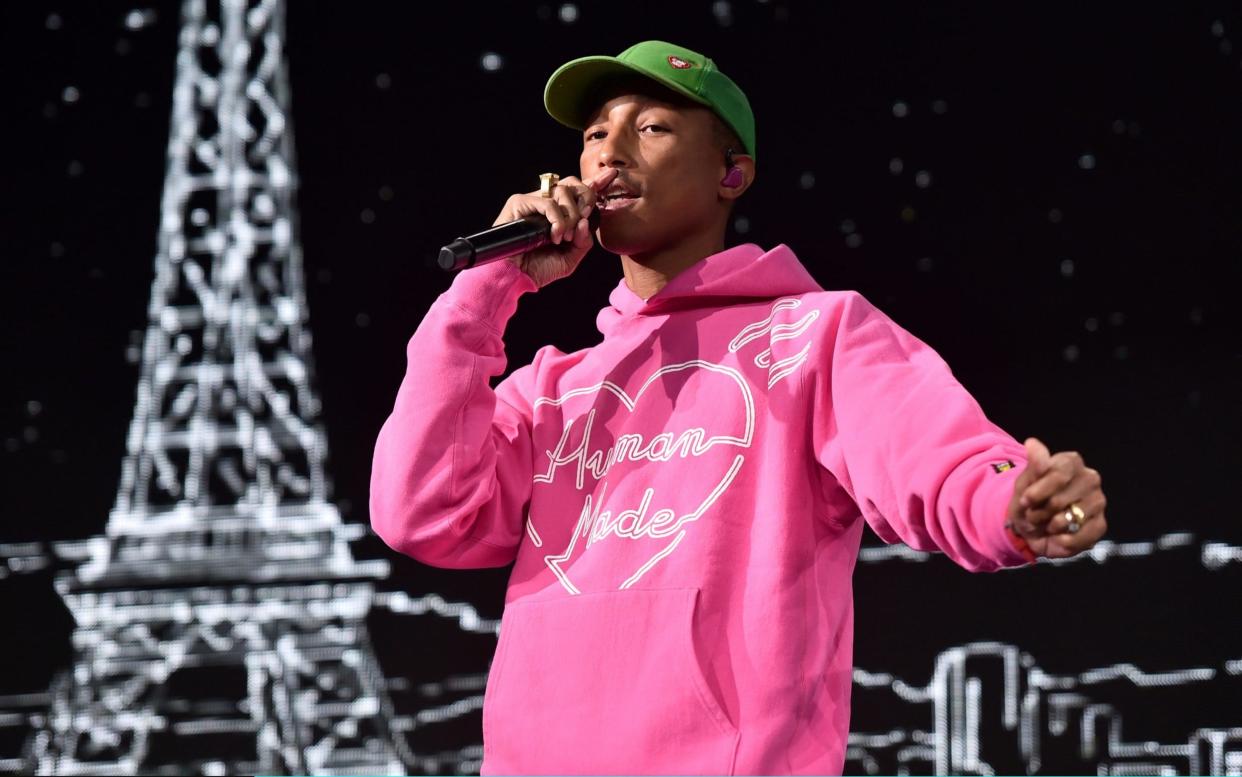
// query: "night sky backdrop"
[[1047, 194]]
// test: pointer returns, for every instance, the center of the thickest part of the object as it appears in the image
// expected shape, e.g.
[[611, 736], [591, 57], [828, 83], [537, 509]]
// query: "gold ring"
[[1074, 517], [546, 183]]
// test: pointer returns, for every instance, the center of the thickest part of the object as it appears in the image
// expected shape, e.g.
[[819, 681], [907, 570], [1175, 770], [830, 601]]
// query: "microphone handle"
[[501, 241]]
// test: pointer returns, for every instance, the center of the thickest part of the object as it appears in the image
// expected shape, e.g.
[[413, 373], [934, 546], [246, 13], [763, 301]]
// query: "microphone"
[[502, 241]]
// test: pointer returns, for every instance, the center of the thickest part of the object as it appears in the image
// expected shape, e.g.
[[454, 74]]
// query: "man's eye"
[[593, 135], [655, 126]]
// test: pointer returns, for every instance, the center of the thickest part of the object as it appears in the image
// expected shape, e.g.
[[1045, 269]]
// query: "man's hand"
[[567, 209], [1042, 496]]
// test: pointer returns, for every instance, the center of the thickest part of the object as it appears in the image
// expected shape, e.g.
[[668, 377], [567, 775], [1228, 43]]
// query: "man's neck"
[[647, 273]]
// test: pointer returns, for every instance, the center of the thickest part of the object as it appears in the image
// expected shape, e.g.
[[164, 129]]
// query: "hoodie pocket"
[[603, 683]]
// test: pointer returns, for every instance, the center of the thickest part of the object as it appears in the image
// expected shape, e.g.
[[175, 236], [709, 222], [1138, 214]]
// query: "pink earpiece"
[[734, 179]]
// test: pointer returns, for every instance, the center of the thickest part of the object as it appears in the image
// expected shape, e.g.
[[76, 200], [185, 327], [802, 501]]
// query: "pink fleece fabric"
[[682, 504]]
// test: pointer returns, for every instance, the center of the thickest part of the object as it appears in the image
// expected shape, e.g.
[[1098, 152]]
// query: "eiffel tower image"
[[219, 618]]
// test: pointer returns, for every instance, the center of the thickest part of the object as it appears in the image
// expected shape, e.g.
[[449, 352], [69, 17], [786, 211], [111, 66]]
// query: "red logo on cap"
[[679, 63]]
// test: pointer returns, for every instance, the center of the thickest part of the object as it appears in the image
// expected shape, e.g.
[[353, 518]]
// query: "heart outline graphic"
[[590, 513]]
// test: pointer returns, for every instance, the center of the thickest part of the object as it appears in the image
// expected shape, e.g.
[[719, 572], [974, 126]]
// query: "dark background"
[[1047, 194]]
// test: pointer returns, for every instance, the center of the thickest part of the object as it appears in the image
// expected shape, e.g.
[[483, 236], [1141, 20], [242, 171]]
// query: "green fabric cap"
[[684, 71]]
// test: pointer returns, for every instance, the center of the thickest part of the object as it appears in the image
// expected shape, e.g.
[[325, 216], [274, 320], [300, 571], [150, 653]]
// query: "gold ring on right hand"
[[547, 182]]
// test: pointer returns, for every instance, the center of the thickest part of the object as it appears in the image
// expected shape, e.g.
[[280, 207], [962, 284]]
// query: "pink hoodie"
[[683, 503]]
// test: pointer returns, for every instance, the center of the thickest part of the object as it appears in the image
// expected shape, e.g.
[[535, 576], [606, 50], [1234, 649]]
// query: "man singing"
[[683, 501]]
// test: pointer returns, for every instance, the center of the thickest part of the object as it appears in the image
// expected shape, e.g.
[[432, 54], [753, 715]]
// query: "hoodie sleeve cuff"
[[490, 293], [1020, 544], [990, 506]]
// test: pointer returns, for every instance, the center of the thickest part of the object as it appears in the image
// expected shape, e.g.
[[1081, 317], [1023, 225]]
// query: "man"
[[683, 502]]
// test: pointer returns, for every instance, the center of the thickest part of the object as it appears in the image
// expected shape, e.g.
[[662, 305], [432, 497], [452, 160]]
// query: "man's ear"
[[730, 187]]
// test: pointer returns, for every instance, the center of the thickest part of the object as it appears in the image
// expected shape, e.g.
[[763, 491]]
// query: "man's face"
[[666, 154]]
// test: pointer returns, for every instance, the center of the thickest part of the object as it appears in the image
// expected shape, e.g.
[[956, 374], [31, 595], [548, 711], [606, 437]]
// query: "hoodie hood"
[[740, 273]]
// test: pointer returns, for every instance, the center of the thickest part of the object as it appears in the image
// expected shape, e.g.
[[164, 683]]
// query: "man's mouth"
[[617, 196], [616, 201]]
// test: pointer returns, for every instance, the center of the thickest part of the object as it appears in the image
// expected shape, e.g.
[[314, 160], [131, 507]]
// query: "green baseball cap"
[[684, 71]]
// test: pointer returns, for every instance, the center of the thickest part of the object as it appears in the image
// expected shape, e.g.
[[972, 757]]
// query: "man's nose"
[[615, 151]]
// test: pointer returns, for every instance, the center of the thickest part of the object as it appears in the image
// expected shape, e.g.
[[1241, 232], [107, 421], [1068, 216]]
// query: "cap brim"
[[567, 91]]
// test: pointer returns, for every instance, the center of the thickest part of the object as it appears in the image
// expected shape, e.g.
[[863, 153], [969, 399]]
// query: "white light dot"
[[853, 240], [568, 13], [386, 193], [900, 109], [137, 19], [362, 320], [1092, 324], [70, 94], [1218, 28], [922, 179], [848, 226], [1055, 215], [34, 407], [199, 217], [1067, 268], [264, 206], [895, 165], [383, 80], [723, 11], [807, 180], [53, 21], [1087, 161], [75, 168], [939, 107], [491, 61], [1071, 353], [1119, 126], [210, 35], [741, 224], [367, 216], [924, 264]]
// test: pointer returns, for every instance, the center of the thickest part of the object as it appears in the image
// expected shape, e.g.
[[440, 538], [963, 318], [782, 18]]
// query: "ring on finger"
[[1074, 518], [548, 182]]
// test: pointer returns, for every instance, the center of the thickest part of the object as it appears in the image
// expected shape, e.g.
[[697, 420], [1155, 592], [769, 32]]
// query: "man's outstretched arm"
[[917, 454]]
